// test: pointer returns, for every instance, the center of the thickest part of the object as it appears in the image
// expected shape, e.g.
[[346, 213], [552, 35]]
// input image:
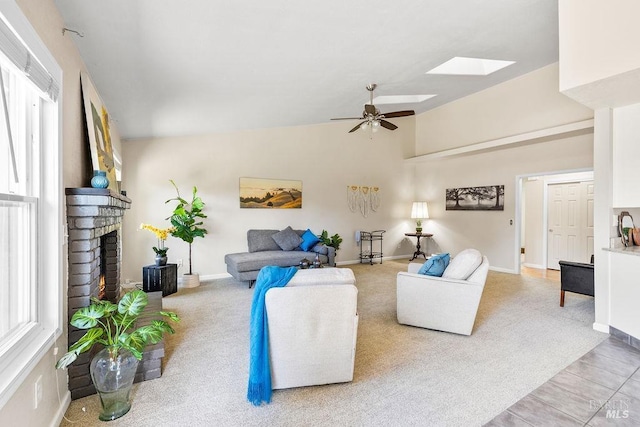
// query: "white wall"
[[326, 158], [533, 222], [602, 214], [525, 104], [528, 103], [600, 65], [490, 231], [598, 40]]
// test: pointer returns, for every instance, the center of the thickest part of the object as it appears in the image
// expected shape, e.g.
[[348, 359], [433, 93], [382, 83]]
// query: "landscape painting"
[[262, 193], [489, 198]]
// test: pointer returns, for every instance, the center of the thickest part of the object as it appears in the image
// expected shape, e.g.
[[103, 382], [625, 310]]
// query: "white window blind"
[[22, 58]]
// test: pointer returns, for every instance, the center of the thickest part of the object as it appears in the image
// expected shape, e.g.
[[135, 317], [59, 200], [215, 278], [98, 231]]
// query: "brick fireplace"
[[94, 220]]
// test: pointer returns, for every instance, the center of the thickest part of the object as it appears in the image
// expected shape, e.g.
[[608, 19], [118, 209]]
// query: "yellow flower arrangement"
[[161, 234]]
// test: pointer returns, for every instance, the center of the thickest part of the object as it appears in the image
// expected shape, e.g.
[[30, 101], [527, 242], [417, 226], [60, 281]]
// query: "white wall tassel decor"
[[352, 197], [364, 201], [363, 198], [375, 198]]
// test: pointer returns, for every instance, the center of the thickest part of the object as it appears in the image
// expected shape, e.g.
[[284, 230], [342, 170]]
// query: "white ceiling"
[[184, 67]]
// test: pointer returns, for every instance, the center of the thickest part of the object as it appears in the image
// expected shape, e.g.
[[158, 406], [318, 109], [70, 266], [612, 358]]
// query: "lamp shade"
[[419, 210]]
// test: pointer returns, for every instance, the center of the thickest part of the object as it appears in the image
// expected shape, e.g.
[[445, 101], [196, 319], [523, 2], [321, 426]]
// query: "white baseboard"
[[215, 276], [503, 270], [64, 405], [601, 327], [538, 266]]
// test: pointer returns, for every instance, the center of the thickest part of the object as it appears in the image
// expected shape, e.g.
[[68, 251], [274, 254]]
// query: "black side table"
[[418, 252], [163, 278]]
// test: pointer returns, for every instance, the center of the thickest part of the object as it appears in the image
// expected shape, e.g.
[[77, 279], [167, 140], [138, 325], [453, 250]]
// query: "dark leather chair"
[[576, 277]]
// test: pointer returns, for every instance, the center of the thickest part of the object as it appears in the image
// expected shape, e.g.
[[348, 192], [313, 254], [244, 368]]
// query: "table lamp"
[[419, 212]]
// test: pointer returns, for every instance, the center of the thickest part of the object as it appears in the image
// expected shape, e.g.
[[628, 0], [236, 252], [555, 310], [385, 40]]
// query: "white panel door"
[[570, 221]]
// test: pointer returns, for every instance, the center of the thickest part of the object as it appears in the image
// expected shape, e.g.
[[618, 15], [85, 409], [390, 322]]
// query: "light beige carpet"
[[403, 375]]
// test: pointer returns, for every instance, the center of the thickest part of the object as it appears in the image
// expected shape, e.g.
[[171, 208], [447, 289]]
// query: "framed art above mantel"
[[98, 127]]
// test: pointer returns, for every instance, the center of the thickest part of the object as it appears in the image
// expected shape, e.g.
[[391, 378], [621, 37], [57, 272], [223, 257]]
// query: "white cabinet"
[[624, 293], [626, 156]]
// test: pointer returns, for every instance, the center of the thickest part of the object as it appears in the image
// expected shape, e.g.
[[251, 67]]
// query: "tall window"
[[19, 192], [30, 200]]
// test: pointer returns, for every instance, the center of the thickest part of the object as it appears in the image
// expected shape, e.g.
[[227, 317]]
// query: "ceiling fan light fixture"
[[371, 124], [373, 119]]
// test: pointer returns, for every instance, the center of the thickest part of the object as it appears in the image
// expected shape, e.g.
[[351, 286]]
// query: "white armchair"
[[313, 325], [443, 303]]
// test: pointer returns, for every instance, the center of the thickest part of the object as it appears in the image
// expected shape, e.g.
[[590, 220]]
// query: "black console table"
[[164, 278], [418, 252]]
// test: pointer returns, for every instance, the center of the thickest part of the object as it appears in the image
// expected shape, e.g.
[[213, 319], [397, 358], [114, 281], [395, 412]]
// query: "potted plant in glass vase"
[[114, 326], [187, 225]]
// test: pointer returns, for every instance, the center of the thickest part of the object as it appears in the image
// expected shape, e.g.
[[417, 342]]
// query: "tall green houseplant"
[[186, 219]]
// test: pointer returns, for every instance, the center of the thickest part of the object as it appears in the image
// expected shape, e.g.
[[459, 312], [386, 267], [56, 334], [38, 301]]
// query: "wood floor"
[[541, 273], [601, 388]]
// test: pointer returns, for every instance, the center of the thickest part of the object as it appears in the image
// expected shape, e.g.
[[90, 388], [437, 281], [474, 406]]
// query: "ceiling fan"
[[372, 118]]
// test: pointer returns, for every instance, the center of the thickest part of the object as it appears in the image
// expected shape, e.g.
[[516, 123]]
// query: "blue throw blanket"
[[259, 368]]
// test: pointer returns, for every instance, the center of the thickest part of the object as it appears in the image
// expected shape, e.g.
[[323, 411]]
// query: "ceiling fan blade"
[[370, 109], [399, 114], [356, 127], [388, 125], [348, 118]]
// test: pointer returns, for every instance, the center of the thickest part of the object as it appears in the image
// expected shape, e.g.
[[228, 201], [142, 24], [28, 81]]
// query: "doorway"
[[555, 220], [570, 222]]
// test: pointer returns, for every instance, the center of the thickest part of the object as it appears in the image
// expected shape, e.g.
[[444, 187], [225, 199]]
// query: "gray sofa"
[[263, 251]]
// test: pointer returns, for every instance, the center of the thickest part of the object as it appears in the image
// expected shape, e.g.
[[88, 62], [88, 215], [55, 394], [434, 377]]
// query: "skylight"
[[400, 99], [470, 66]]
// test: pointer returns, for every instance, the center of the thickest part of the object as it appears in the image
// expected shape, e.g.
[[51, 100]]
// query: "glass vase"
[[112, 371]]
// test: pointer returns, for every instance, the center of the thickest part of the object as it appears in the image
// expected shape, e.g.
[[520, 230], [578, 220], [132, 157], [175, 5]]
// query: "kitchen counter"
[[629, 250]]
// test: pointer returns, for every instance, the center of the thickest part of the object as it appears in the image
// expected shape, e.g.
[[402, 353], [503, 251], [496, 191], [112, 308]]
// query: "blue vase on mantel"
[[99, 179]]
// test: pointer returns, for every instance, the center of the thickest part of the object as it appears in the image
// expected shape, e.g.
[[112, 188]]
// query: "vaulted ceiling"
[[171, 68]]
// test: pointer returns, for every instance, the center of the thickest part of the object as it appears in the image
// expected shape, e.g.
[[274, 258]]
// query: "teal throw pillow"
[[435, 265], [309, 240]]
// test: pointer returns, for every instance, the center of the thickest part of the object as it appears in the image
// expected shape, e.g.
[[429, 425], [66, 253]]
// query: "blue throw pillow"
[[435, 265], [309, 240]]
